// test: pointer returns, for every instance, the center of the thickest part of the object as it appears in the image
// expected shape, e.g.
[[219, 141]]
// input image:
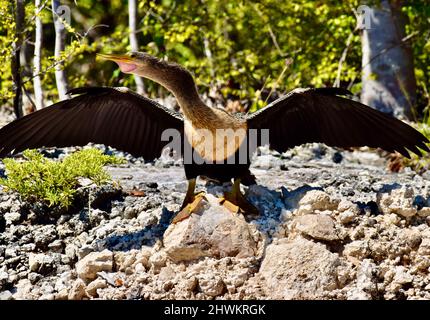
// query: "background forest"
[[248, 52]]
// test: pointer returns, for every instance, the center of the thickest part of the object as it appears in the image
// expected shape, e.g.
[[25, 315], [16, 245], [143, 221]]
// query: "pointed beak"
[[125, 63]]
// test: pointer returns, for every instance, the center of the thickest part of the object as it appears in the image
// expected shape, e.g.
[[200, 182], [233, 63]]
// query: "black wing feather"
[[320, 115], [116, 117]]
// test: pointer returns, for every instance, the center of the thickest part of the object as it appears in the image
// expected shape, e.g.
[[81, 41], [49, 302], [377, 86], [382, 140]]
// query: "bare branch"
[[343, 57]]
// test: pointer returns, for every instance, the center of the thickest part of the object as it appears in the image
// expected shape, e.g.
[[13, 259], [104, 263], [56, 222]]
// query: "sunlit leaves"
[[238, 48], [54, 182]]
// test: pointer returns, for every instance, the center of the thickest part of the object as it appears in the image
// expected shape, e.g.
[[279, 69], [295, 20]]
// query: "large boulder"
[[299, 269], [211, 231]]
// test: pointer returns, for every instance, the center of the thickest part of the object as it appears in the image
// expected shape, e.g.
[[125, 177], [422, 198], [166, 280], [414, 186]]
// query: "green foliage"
[[7, 37], [418, 12], [236, 49], [38, 178], [417, 163], [250, 43]]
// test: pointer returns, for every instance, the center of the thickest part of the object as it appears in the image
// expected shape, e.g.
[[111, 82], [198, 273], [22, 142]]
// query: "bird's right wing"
[[116, 117], [320, 115]]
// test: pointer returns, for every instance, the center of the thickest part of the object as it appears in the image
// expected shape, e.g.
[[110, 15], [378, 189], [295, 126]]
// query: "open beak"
[[125, 63]]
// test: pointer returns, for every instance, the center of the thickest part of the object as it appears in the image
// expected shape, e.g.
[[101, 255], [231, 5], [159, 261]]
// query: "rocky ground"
[[333, 225]]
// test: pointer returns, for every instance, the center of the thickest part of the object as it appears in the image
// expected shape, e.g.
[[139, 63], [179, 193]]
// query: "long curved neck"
[[180, 83], [188, 99]]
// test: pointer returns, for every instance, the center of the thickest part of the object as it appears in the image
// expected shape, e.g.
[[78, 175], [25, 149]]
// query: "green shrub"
[[38, 178], [417, 163]]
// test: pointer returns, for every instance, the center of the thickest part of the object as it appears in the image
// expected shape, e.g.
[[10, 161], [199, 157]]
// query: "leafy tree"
[[250, 51]]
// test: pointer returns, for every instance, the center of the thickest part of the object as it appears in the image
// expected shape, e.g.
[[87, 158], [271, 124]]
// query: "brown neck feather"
[[185, 92], [180, 83]]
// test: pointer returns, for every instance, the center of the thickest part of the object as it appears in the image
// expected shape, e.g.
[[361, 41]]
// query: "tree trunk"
[[132, 23], [60, 39], [16, 61], [388, 77], [38, 92]]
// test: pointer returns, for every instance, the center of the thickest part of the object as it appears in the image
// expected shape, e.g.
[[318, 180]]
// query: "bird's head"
[[142, 64]]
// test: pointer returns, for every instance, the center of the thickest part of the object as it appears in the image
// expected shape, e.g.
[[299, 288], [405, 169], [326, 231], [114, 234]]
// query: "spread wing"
[[116, 117], [319, 115]]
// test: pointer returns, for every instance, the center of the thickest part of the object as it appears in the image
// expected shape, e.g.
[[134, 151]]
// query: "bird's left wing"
[[320, 115], [116, 117]]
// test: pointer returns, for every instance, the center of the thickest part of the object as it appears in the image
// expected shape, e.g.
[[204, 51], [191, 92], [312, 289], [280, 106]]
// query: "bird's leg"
[[236, 202], [191, 202]]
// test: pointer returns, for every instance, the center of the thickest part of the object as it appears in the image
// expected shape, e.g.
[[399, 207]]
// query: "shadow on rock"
[[148, 236], [388, 187]]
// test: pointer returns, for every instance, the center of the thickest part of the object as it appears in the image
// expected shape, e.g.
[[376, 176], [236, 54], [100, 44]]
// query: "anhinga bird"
[[127, 121]]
